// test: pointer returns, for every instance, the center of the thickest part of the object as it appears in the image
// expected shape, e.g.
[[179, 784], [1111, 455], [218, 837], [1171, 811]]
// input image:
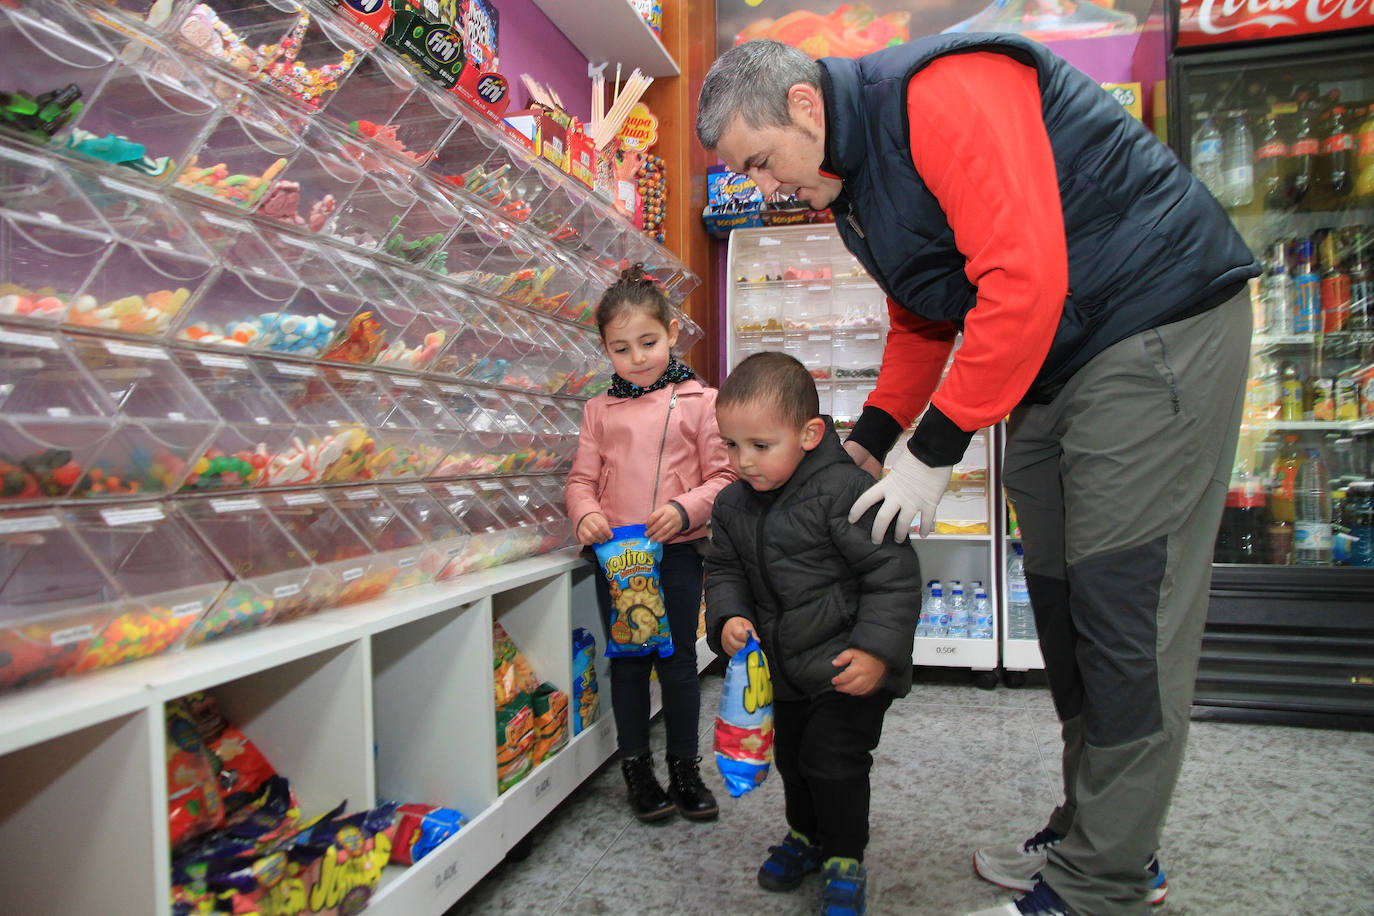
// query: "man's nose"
[[766, 184]]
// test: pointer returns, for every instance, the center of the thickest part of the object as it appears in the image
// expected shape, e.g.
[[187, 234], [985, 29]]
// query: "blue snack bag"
[[586, 704], [744, 724], [639, 621]]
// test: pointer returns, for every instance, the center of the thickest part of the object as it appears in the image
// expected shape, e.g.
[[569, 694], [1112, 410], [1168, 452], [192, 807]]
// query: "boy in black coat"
[[833, 612]]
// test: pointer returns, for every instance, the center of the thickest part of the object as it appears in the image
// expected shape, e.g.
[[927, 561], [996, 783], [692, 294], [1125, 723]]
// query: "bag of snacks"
[[550, 707], [514, 741], [511, 673], [194, 805], [639, 621], [586, 704], [744, 724], [419, 829]]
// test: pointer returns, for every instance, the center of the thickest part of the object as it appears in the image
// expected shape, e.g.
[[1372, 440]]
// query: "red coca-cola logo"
[[1208, 22]]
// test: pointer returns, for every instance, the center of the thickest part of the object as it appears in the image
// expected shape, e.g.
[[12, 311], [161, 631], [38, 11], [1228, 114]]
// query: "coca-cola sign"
[[1210, 22]]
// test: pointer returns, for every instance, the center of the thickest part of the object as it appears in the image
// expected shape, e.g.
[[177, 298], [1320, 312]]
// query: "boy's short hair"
[[773, 381]]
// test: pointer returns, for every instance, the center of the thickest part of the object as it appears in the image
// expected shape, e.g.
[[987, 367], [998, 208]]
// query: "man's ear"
[[806, 104], [812, 433]]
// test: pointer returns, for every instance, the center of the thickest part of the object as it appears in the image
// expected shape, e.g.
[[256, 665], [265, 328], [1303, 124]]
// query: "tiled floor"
[[1267, 819]]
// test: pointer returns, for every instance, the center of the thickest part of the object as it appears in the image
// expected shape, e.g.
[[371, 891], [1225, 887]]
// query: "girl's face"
[[639, 345]]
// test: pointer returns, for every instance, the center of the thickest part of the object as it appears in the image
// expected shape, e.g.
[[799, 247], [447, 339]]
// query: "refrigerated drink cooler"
[[1276, 117]]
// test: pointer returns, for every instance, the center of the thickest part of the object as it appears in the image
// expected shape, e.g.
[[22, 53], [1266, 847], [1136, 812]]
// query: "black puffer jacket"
[[812, 583]]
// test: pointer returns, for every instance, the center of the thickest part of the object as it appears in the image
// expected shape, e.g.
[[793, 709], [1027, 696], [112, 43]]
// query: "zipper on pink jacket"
[[662, 443]]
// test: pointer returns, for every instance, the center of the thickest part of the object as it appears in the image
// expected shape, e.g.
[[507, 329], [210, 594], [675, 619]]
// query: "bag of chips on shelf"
[[194, 805], [586, 704], [744, 723], [550, 706], [639, 621], [514, 741], [511, 672], [419, 829]]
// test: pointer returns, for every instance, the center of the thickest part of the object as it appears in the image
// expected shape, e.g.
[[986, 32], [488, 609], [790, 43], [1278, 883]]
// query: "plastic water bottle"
[[980, 621], [1206, 158], [957, 628], [1279, 298], [1312, 530], [1020, 619], [1238, 163], [931, 610]]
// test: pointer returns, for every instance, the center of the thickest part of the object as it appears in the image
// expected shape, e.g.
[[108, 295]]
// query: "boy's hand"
[[735, 634], [862, 672], [594, 528], [864, 459], [665, 523]]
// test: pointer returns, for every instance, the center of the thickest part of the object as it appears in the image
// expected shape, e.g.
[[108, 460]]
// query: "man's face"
[[783, 160]]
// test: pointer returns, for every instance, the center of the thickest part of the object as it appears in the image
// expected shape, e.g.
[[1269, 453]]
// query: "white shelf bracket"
[[595, 70]]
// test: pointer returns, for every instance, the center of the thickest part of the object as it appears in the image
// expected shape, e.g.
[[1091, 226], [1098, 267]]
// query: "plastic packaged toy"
[[744, 724], [639, 621]]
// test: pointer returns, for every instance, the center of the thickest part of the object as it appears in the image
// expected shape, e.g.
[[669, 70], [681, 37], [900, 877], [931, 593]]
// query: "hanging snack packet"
[[639, 621], [550, 707], [744, 724], [194, 805], [586, 704]]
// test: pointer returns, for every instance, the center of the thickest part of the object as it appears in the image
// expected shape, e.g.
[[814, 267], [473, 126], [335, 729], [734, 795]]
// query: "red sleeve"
[[978, 141]]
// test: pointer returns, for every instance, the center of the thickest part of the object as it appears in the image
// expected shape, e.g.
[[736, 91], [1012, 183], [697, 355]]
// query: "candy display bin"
[[331, 542], [542, 499], [483, 163], [513, 268], [164, 421], [400, 448], [595, 375], [411, 135], [591, 229], [314, 60], [564, 415], [565, 361], [240, 36], [44, 264], [55, 419], [155, 268], [534, 370], [241, 157], [55, 598], [370, 100], [378, 203], [55, 57], [319, 179], [421, 402], [511, 347], [426, 343], [167, 575], [395, 544], [272, 574], [522, 531], [423, 237], [580, 305], [543, 437], [566, 281], [472, 345], [443, 536], [487, 533], [381, 323], [331, 443], [256, 428], [486, 448]]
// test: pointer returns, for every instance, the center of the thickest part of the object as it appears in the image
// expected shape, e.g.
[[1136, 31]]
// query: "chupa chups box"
[[433, 46]]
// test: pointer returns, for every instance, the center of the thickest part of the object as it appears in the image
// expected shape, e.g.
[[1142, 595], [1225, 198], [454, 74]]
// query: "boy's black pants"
[[822, 748]]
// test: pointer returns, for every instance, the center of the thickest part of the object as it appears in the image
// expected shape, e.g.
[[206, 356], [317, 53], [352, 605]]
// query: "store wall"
[[529, 43]]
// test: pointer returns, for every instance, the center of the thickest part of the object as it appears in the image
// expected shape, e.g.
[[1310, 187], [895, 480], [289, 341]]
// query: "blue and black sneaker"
[[788, 862], [846, 882]]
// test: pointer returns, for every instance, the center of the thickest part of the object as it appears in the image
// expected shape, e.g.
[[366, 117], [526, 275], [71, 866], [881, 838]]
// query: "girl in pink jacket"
[[650, 453]]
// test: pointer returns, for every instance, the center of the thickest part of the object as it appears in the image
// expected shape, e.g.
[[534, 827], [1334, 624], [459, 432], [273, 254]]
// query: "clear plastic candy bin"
[[395, 544], [333, 544], [400, 447], [54, 63], [331, 443], [444, 537], [169, 578]]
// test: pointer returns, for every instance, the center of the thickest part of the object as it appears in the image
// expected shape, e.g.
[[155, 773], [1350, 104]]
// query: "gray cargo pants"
[[1118, 484]]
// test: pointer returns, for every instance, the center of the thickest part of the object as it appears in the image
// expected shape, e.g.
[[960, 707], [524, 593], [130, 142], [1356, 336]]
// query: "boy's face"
[[764, 449]]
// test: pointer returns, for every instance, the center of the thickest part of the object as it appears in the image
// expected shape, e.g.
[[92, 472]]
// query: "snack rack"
[[797, 289], [241, 304]]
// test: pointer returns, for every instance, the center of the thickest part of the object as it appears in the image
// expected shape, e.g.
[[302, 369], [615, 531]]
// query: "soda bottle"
[[1307, 315], [1359, 514], [1302, 154], [1339, 150], [1364, 157], [1361, 280], [1312, 525], [1335, 286], [1271, 165], [1250, 527], [1281, 509], [1291, 395], [1279, 300], [1237, 163], [1206, 158]]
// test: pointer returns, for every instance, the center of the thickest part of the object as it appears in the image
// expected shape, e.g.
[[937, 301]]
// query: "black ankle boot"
[[647, 797], [694, 801]]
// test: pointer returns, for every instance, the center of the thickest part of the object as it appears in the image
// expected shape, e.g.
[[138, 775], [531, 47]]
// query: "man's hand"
[[912, 487], [593, 529], [665, 523], [862, 672], [864, 458], [735, 634]]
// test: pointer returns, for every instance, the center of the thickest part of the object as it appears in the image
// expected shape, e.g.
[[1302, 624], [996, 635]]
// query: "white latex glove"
[[911, 487]]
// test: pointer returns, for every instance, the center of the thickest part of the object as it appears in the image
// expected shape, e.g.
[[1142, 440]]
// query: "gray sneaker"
[[1015, 867]]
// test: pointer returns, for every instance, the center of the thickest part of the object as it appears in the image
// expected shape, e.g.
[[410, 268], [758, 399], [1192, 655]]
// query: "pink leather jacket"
[[618, 465]]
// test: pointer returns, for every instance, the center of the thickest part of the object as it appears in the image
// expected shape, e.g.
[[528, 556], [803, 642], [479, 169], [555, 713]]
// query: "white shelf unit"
[[610, 31], [797, 289], [391, 699], [1018, 655]]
